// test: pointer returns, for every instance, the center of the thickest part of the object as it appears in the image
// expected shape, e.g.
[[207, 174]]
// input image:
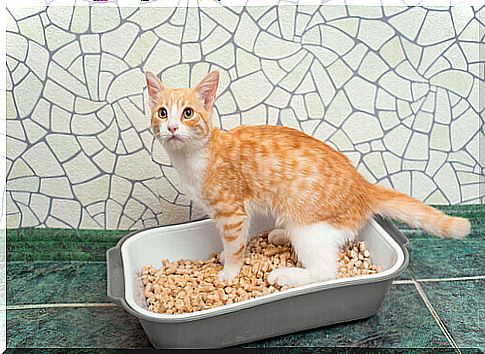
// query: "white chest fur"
[[191, 167]]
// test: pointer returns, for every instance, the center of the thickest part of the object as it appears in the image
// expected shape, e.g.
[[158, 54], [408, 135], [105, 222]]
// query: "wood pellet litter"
[[187, 286]]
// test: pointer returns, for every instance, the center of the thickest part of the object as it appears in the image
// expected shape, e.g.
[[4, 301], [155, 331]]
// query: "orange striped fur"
[[316, 195]]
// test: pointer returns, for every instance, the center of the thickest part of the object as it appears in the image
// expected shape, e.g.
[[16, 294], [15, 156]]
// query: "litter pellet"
[[355, 260], [188, 286]]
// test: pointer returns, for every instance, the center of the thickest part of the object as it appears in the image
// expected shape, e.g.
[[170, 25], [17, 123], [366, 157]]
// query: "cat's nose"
[[172, 128]]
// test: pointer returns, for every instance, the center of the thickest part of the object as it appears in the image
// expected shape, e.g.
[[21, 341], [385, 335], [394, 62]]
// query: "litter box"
[[292, 310]]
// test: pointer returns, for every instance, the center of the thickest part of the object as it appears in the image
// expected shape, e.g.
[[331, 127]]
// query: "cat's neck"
[[189, 159], [191, 164]]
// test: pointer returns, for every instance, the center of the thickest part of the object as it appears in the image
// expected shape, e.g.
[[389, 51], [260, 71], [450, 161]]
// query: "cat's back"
[[278, 139], [271, 134], [263, 145]]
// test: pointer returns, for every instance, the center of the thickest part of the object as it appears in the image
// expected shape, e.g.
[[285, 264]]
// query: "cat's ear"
[[207, 88], [155, 87]]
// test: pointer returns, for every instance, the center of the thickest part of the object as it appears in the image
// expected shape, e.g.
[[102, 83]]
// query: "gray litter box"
[[296, 309]]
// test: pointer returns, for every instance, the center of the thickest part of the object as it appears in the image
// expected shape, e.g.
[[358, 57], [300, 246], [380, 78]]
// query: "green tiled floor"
[[56, 282], [461, 306], [403, 321], [56, 296]]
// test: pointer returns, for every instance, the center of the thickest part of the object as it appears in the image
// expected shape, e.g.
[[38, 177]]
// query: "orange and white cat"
[[317, 197]]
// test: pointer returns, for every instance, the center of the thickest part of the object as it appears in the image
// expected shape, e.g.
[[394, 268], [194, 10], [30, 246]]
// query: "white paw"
[[221, 257], [277, 237], [282, 277], [227, 274]]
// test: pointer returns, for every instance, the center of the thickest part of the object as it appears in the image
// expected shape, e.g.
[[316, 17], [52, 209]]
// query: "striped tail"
[[415, 213]]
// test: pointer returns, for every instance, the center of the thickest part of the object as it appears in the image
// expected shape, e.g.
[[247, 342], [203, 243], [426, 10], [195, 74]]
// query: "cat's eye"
[[162, 113], [188, 113]]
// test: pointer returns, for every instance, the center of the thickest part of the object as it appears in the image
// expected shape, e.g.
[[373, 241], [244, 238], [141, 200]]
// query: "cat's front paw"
[[227, 274]]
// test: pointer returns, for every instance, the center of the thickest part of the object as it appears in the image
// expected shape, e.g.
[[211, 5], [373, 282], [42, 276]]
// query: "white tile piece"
[[16, 46], [365, 93], [409, 22], [90, 43], [456, 81], [80, 19], [32, 28], [80, 168], [246, 33], [337, 40], [362, 127], [446, 176], [278, 98], [372, 67], [171, 54], [57, 37], [397, 139], [67, 54], [437, 27], [37, 60], [388, 119], [392, 52], [26, 94], [41, 159], [105, 160], [423, 122], [86, 124], [60, 15], [136, 166], [58, 187], [20, 12], [93, 191], [255, 116], [375, 33], [314, 106], [417, 148], [64, 146], [101, 23], [396, 85], [129, 83], [58, 211], [90, 144], [422, 185], [244, 87], [464, 128], [266, 40], [246, 63]]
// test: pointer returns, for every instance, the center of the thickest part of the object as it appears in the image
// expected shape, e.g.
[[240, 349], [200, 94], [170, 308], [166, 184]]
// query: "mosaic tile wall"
[[396, 89]]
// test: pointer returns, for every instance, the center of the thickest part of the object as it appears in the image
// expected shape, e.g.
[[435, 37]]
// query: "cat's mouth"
[[174, 138]]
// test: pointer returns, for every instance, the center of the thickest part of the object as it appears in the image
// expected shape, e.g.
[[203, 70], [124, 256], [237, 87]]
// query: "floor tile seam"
[[56, 305], [436, 317], [450, 279]]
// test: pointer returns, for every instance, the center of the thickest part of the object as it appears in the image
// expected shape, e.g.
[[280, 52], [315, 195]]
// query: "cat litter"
[[188, 286]]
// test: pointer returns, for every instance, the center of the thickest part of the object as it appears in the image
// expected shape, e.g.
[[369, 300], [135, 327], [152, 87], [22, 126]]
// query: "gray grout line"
[[431, 280], [436, 317], [402, 281], [60, 305], [435, 280]]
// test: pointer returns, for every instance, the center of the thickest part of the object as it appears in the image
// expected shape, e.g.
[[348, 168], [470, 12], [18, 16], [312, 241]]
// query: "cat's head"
[[181, 117]]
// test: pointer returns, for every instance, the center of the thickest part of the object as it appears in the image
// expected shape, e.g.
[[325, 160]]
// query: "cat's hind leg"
[[317, 247]]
